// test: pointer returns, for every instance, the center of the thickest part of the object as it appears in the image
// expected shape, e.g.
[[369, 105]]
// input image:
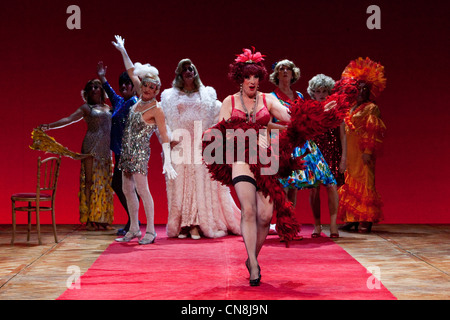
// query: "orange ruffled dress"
[[358, 198]]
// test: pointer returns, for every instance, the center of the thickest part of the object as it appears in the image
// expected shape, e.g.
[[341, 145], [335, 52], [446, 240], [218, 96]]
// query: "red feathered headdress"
[[367, 71], [249, 57]]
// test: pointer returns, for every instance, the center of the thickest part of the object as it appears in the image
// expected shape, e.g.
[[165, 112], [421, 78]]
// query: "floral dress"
[[317, 170]]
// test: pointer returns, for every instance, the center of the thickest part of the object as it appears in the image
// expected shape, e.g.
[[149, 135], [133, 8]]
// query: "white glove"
[[167, 167], [120, 45]]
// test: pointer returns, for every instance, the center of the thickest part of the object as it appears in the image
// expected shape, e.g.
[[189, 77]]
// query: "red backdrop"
[[45, 65]]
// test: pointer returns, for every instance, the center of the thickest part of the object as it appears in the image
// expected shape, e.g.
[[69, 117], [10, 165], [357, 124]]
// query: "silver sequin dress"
[[136, 143]]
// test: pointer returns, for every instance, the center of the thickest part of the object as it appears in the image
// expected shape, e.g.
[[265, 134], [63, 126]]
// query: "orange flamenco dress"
[[358, 199]]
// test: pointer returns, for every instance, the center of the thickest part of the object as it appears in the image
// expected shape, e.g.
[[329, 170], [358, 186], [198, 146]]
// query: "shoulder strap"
[[232, 102], [144, 111], [264, 99]]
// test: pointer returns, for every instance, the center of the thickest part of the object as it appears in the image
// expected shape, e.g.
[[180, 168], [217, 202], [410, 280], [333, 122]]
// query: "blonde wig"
[[288, 63], [178, 82], [147, 73]]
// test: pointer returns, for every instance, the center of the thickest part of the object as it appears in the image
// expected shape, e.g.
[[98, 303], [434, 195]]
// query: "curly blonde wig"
[[288, 63]]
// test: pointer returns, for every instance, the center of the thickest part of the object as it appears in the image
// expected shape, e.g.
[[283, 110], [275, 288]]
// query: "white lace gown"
[[194, 199]]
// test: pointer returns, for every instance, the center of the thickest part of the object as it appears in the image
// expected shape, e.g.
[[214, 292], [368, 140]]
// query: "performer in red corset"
[[258, 190]]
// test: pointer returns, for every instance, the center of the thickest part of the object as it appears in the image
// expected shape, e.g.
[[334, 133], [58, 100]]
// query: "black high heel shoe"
[[254, 282]]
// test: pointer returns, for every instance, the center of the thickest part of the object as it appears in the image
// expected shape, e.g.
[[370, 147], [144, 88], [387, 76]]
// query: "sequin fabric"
[[97, 138], [121, 109], [99, 208], [136, 143], [330, 145]]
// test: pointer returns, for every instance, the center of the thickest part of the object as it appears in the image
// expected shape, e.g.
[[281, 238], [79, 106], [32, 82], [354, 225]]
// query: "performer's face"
[[188, 73], [285, 74], [127, 90], [94, 94], [149, 90], [364, 92], [320, 94], [250, 85]]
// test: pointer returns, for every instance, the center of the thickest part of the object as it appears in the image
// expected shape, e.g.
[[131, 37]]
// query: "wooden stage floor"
[[413, 261]]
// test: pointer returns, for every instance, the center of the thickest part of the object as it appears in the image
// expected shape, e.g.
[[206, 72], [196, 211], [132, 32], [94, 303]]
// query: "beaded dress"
[[97, 142], [136, 142], [194, 199]]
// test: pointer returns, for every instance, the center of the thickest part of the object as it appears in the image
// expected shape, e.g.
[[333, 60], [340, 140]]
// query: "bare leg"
[[314, 201], [292, 196], [333, 202]]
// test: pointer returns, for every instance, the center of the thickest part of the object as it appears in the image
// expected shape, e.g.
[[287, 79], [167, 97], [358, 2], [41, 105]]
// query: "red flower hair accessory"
[[249, 57]]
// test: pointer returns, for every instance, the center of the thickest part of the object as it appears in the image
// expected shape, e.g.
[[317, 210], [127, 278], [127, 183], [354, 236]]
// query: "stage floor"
[[413, 261]]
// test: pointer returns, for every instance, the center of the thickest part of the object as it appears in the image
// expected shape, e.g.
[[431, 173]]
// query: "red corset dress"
[[262, 115]]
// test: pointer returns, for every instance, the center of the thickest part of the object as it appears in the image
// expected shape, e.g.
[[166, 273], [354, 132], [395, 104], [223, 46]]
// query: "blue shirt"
[[121, 109]]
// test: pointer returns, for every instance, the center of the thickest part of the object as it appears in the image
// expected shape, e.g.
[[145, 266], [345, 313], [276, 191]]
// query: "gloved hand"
[[120, 45], [167, 167]]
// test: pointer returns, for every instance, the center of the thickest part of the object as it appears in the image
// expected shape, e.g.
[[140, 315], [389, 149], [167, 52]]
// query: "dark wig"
[[240, 70], [124, 78]]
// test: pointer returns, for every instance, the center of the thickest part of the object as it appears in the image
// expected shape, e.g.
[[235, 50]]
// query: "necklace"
[[143, 103], [189, 91], [252, 113]]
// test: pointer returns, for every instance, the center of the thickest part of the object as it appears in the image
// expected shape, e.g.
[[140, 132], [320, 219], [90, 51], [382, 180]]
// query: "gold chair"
[[47, 178]]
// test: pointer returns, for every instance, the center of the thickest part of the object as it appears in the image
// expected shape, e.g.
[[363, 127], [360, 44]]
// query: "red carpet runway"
[[213, 269]]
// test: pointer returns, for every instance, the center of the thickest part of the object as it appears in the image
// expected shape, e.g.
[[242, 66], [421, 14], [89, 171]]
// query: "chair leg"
[[29, 222], [38, 225], [13, 222], [54, 225]]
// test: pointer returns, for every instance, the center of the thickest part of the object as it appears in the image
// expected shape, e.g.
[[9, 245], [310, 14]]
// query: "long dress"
[[359, 199], [317, 170], [97, 143], [194, 199]]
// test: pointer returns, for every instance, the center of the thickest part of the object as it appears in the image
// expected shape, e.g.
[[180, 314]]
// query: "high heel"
[[254, 282], [349, 225], [145, 240], [316, 234], [130, 236]]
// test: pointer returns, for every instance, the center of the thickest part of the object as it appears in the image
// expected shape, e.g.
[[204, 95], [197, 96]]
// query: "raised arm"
[[74, 117], [129, 66]]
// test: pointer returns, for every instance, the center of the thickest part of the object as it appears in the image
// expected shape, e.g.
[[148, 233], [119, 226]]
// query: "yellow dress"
[[358, 197]]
